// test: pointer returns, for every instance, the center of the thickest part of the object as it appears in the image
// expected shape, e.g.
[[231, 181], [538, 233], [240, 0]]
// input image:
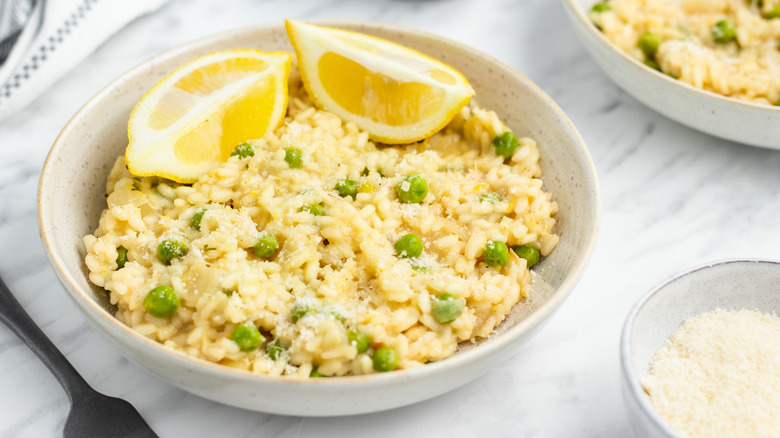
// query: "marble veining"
[[672, 198]]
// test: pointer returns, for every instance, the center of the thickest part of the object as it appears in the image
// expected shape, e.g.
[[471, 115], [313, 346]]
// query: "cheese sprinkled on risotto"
[[331, 277]]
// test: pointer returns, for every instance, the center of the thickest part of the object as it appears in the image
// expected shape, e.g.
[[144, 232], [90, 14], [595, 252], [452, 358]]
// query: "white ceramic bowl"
[[732, 119], [71, 199], [728, 285]]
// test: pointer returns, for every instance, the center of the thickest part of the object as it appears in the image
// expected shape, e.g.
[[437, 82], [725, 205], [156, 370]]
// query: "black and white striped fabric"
[[61, 33]]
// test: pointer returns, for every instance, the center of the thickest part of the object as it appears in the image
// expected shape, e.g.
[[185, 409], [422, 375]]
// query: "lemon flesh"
[[190, 121], [396, 94]]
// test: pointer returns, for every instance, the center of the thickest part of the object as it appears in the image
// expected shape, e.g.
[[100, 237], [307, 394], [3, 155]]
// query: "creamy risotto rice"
[[333, 275], [730, 47]]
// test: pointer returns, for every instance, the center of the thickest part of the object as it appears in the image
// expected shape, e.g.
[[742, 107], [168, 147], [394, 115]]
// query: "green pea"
[[600, 7], [412, 189], [170, 249], [496, 254], [121, 257], [337, 316], [723, 31], [314, 209], [299, 310], [266, 246], [366, 187], [773, 13], [447, 308], [347, 187], [421, 269], [315, 373], [196, 218], [505, 144], [385, 359], [161, 302], [359, 340], [409, 246], [247, 336], [293, 157], [652, 63], [274, 349], [528, 252], [489, 198], [229, 292], [244, 150], [366, 172], [649, 42]]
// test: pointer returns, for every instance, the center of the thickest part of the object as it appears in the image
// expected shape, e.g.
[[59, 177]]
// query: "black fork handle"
[[13, 315]]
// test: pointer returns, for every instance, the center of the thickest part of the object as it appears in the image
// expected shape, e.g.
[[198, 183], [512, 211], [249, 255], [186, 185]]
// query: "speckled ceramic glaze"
[[732, 119], [729, 285], [71, 198]]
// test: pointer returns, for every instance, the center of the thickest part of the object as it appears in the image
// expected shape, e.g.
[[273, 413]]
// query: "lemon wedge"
[[396, 94], [190, 121]]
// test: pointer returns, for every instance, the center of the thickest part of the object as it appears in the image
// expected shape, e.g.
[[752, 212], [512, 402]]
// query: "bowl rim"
[[463, 358], [629, 374], [581, 14]]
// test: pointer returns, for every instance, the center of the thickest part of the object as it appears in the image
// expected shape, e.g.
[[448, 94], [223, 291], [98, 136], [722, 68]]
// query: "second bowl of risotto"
[[713, 66], [317, 271]]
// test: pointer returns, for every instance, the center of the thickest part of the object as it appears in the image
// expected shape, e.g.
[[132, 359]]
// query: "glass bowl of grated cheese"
[[700, 353]]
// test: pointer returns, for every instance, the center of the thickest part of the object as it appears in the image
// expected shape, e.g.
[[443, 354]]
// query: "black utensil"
[[92, 414]]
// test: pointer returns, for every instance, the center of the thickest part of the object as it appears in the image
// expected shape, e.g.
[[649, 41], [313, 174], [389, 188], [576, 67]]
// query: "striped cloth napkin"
[[58, 35]]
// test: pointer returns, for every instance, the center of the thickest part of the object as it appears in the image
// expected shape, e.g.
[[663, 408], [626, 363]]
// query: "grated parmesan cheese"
[[719, 376]]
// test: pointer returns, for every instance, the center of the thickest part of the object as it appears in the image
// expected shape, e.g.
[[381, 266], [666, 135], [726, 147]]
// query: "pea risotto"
[[730, 47], [315, 252]]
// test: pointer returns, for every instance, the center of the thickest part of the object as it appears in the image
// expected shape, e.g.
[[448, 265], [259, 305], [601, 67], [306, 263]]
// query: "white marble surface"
[[672, 198]]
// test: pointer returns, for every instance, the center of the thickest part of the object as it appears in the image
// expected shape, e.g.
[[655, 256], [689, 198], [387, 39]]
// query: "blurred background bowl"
[[714, 114], [727, 285], [71, 198]]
